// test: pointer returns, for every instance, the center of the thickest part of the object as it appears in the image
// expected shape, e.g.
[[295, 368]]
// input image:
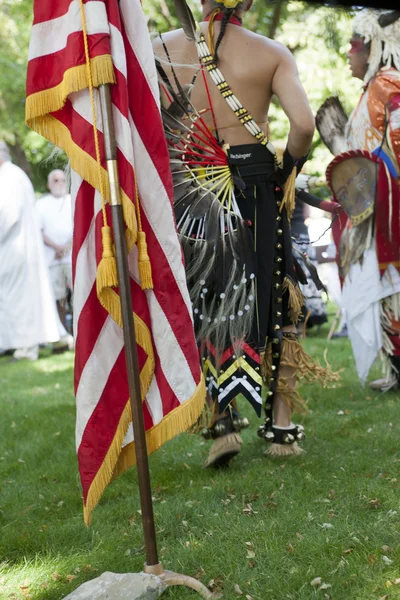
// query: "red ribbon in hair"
[[219, 17]]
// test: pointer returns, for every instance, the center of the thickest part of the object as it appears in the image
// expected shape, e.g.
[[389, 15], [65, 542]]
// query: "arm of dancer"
[[326, 205], [292, 97]]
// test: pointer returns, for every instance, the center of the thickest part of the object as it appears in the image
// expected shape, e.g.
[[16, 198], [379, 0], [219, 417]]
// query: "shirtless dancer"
[[255, 68]]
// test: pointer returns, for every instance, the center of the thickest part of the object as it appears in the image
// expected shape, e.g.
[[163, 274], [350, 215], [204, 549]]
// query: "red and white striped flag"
[[58, 106]]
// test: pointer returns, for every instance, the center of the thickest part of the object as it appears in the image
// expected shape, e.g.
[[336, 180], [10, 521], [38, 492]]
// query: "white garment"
[[28, 313], [55, 221], [362, 292]]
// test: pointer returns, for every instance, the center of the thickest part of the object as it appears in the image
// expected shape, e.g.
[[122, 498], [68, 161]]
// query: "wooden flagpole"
[[152, 564]]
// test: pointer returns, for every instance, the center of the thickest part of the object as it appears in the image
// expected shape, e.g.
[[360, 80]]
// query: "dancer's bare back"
[[255, 68]]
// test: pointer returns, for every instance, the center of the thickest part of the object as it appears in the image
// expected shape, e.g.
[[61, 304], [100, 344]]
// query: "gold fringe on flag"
[[74, 79], [296, 299], [120, 459], [289, 189]]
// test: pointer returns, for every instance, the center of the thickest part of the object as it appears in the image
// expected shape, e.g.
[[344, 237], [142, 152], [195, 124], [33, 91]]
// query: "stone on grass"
[[120, 586]]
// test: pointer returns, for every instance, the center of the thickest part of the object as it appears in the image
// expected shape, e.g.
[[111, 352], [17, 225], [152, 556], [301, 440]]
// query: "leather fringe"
[[296, 299], [226, 444], [284, 450], [305, 368]]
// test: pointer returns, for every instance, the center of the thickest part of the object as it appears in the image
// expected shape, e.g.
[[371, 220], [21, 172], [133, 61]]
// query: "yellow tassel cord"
[[304, 369], [210, 31], [296, 299], [107, 269], [289, 189]]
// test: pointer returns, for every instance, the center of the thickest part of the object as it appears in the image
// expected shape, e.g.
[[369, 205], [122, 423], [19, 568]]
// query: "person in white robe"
[[28, 315]]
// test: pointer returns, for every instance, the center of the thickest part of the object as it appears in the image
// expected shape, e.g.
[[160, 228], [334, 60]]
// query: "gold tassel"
[[289, 189], [107, 269], [144, 262], [296, 299]]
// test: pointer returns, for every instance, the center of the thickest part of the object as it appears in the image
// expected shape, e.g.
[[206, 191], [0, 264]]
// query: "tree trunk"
[[276, 15], [19, 158]]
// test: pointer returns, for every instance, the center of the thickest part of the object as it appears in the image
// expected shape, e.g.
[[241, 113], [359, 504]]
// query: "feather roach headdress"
[[382, 30]]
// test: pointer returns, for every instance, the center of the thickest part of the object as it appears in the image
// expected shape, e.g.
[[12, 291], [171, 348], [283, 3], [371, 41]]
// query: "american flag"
[[58, 107]]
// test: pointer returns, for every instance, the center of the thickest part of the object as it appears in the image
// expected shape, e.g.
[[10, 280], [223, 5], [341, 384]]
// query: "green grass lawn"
[[269, 526]]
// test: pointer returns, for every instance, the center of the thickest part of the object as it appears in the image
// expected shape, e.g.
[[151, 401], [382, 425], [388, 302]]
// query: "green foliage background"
[[317, 35]]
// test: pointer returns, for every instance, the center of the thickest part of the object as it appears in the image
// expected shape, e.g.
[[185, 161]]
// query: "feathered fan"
[[217, 244]]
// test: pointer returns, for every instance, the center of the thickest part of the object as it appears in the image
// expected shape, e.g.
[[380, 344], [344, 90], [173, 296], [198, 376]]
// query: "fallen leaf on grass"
[[70, 578], [248, 597], [88, 568], [216, 585], [371, 559], [386, 549], [326, 526], [55, 576], [374, 502], [250, 554], [251, 564], [237, 589], [385, 597], [290, 548], [325, 586], [24, 589], [386, 560], [199, 573], [249, 510], [301, 537], [347, 551], [315, 582]]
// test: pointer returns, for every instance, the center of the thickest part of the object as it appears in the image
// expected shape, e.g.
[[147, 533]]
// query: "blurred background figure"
[[365, 177], [28, 315], [55, 221], [314, 305]]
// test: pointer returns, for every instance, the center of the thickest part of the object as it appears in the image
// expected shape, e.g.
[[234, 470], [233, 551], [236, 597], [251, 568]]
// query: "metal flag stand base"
[[170, 578], [152, 565]]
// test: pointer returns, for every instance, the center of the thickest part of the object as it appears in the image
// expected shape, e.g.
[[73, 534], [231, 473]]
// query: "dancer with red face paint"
[[369, 249]]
